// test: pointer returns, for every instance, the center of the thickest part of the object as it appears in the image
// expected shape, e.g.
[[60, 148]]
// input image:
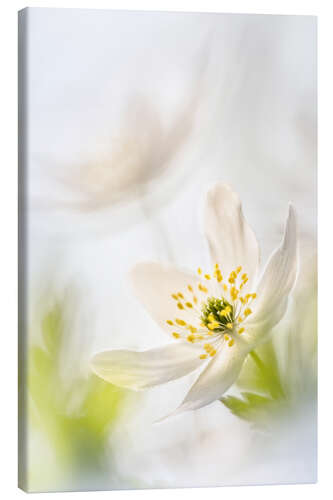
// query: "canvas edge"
[[22, 255]]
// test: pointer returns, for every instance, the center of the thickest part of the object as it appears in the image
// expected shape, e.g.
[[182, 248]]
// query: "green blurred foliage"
[[265, 394], [280, 377], [262, 371], [75, 417]]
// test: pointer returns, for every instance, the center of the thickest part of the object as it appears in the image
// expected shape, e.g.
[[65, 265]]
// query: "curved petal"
[[140, 370], [231, 241], [154, 283], [216, 378], [277, 281]]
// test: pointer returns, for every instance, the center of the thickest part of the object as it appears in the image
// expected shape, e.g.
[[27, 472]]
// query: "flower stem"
[[274, 385], [257, 360]]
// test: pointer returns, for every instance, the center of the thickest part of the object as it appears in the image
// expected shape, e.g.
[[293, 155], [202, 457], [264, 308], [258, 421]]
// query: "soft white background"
[[8, 364], [253, 96]]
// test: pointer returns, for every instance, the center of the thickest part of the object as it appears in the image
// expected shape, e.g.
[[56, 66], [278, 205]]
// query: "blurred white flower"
[[216, 319], [141, 150], [132, 163]]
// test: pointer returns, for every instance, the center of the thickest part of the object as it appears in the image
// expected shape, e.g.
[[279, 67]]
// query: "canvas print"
[[168, 283]]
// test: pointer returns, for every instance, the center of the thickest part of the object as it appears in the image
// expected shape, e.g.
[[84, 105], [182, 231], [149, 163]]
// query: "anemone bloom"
[[214, 319]]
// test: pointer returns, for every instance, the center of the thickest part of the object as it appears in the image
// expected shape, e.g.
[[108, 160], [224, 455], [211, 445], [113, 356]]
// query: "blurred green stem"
[[257, 360], [274, 387]]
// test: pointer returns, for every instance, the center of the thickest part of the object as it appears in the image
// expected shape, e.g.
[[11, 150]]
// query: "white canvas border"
[[9, 240]]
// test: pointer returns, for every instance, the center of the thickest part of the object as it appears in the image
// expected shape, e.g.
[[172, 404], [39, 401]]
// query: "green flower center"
[[217, 314]]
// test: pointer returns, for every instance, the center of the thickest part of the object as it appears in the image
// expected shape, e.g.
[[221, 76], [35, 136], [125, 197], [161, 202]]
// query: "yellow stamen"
[[174, 296], [203, 356], [212, 352], [176, 335], [208, 348], [188, 304], [225, 312], [195, 300], [229, 325], [207, 276], [199, 270], [241, 330], [180, 295], [233, 274], [231, 342], [192, 329], [190, 289], [180, 306], [169, 322], [226, 337], [191, 338], [247, 311], [180, 322]]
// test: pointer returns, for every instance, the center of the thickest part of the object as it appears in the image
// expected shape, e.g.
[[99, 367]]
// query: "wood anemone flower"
[[214, 319]]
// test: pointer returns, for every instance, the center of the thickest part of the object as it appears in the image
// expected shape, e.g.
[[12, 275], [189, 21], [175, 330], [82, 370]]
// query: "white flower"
[[214, 319]]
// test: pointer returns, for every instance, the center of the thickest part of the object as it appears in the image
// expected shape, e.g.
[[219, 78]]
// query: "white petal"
[[277, 280], [216, 378], [231, 241], [140, 370], [154, 283]]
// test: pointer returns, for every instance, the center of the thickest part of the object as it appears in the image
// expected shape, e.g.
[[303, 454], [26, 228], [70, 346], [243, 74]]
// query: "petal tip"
[[291, 209], [220, 188], [174, 413], [291, 225], [220, 193], [138, 272], [145, 266], [136, 268]]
